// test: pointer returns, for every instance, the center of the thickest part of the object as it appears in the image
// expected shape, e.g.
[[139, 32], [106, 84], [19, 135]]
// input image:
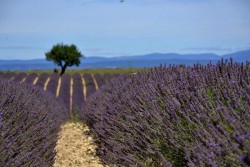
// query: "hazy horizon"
[[44, 58], [135, 27]]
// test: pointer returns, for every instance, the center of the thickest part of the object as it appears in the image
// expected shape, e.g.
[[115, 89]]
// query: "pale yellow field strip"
[[84, 88], [58, 86], [23, 80], [35, 80], [46, 84], [96, 85], [71, 94]]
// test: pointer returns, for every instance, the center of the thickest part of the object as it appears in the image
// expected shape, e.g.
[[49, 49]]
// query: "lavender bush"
[[30, 121], [77, 97], [30, 78], [8, 75], [174, 116], [53, 83], [64, 93], [41, 80], [107, 77], [115, 75], [99, 79], [19, 77], [90, 85], [2, 75]]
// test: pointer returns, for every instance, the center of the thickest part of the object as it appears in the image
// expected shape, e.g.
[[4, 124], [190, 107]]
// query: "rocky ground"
[[75, 147]]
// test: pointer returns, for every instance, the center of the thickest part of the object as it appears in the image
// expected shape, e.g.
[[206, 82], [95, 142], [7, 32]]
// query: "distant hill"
[[138, 61], [239, 56], [167, 56]]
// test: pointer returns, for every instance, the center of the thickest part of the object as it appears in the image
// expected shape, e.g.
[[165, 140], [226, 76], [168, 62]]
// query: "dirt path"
[[35, 80], [95, 82], [46, 84], [75, 148]]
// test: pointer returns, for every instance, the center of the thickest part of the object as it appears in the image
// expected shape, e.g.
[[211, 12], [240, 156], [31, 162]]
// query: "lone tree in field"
[[64, 56]]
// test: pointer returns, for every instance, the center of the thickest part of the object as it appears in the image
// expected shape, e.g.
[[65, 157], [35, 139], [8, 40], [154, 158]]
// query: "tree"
[[64, 56]]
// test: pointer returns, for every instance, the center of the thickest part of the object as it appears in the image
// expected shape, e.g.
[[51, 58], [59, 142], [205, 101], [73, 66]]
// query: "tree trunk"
[[63, 69]]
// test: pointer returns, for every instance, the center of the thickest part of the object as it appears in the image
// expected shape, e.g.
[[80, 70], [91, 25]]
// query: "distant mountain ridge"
[[138, 61], [239, 56], [162, 56]]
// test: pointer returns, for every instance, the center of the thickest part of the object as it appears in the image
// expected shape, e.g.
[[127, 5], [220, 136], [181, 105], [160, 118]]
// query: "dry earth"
[[75, 148]]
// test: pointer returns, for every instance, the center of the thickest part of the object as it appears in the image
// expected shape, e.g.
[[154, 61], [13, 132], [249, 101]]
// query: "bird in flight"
[[121, 0]]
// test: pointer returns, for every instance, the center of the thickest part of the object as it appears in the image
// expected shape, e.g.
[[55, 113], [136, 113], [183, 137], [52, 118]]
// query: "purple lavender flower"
[[190, 115], [30, 120]]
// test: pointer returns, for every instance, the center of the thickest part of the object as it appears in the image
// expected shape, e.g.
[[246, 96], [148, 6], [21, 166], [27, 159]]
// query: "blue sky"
[[29, 28]]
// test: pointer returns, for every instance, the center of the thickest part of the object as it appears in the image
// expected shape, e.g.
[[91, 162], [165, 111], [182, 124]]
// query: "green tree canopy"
[[64, 56]]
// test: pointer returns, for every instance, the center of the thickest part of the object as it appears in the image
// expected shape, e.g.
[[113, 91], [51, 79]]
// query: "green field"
[[87, 71]]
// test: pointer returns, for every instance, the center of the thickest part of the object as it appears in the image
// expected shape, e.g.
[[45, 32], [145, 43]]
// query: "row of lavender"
[[30, 121], [30, 118], [174, 116], [78, 98]]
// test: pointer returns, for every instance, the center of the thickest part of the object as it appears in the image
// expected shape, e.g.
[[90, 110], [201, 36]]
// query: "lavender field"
[[30, 121], [32, 109], [166, 116], [73, 90], [175, 116]]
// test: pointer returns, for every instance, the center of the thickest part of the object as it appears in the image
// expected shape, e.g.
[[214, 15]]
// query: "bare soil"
[[75, 147]]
